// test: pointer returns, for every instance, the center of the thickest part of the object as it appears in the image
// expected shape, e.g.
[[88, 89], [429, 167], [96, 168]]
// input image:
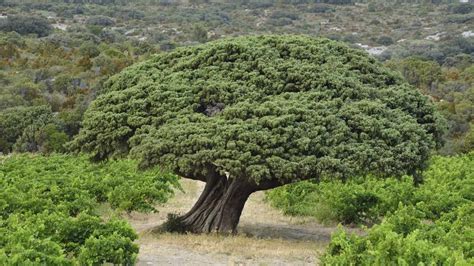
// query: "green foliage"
[[322, 8], [263, 107], [89, 49], [284, 14], [461, 8], [51, 139], [199, 33], [31, 129], [385, 40], [460, 19], [101, 21], [109, 248], [447, 183], [26, 25], [431, 223], [418, 72], [14, 121], [358, 200], [406, 238], [43, 136], [49, 205], [452, 89]]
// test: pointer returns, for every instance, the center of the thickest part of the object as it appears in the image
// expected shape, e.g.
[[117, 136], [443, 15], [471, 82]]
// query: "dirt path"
[[266, 237]]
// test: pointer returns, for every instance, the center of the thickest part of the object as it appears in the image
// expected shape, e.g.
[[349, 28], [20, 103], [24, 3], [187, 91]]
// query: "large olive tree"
[[254, 113]]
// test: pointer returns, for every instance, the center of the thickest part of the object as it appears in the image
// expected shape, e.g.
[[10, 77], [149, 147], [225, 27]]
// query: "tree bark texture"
[[220, 205]]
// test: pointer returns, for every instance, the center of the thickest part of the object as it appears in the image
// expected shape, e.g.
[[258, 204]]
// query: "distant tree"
[[8, 50], [460, 61], [284, 14], [89, 49], [461, 8], [135, 14], [165, 2], [419, 72], [469, 140], [199, 34], [41, 136], [254, 113], [468, 75], [321, 8], [102, 21], [26, 25], [71, 120], [371, 7], [385, 40], [14, 121], [199, 1], [280, 22]]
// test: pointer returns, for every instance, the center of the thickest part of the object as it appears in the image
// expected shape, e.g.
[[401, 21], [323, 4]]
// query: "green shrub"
[[406, 238], [460, 18], [359, 200], [43, 136], [13, 121], [448, 183], [113, 248], [49, 208], [385, 40], [433, 225], [321, 8], [463, 8], [26, 25]]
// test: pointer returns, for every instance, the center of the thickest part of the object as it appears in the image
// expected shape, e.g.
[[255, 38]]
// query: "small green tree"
[[254, 113], [42, 137], [14, 121], [27, 25], [199, 34], [418, 72]]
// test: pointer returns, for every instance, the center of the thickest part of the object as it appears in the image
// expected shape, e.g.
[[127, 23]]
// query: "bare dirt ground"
[[266, 236]]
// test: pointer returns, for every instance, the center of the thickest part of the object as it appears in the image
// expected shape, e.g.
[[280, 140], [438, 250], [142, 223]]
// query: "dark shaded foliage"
[[26, 25]]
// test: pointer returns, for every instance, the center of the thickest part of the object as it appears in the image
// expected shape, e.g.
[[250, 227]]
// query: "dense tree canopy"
[[263, 107], [264, 111]]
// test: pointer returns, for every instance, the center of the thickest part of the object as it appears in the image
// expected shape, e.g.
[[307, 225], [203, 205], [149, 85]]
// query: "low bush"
[[429, 224], [26, 25], [102, 21], [49, 209], [448, 183], [321, 8], [360, 200], [406, 237]]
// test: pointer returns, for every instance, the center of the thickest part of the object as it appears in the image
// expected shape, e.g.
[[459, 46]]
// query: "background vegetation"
[[431, 223]]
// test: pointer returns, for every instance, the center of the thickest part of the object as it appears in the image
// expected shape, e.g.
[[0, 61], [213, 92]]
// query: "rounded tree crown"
[[263, 107]]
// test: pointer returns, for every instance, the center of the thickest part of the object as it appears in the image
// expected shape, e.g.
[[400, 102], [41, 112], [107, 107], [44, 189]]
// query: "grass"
[[243, 246]]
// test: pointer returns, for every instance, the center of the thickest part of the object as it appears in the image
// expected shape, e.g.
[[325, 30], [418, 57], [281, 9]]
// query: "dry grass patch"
[[243, 246]]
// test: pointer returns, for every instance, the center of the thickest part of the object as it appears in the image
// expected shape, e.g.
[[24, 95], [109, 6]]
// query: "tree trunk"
[[219, 207]]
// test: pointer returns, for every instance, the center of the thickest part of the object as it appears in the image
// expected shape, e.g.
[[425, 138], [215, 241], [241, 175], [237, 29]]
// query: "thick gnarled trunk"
[[219, 207]]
